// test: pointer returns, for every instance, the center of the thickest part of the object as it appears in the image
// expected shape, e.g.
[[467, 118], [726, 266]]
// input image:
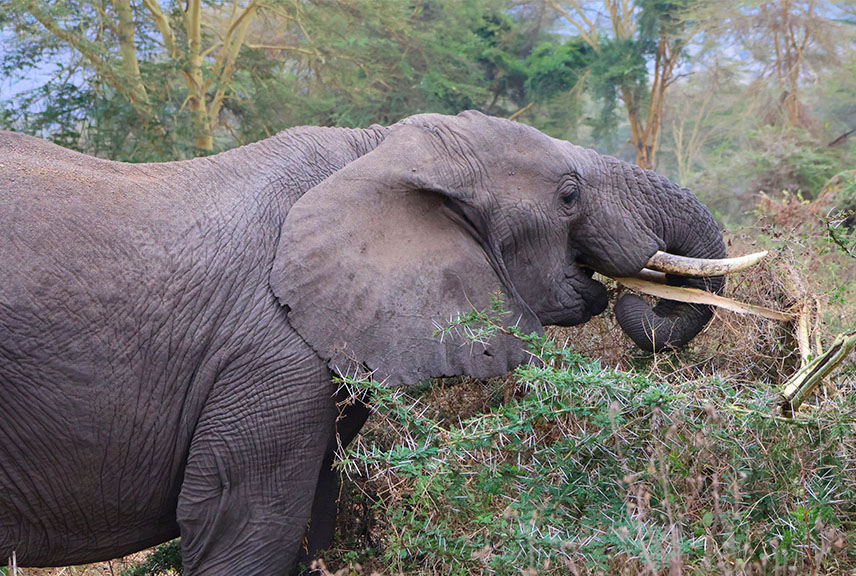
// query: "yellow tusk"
[[702, 267]]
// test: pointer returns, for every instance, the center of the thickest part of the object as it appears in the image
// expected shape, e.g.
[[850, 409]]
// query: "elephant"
[[170, 332]]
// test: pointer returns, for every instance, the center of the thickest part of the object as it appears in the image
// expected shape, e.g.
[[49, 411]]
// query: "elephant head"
[[449, 210]]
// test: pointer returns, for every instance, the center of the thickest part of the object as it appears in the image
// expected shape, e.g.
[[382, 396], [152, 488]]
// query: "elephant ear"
[[377, 259]]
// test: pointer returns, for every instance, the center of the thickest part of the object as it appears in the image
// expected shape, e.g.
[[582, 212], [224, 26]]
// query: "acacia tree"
[[156, 79], [195, 43], [773, 112], [791, 27], [636, 48], [134, 56], [787, 44]]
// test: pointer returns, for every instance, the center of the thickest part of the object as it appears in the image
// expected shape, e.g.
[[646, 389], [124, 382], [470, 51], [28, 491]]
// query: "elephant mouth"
[[586, 270], [587, 296], [595, 298]]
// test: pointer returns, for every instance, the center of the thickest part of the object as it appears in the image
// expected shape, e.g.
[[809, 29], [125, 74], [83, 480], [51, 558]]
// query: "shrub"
[[591, 470]]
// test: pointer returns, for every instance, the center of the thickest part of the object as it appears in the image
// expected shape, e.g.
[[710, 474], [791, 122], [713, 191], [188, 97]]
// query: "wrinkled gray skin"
[[168, 331]]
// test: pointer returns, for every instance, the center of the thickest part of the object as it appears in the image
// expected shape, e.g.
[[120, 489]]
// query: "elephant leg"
[[252, 469], [319, 535]]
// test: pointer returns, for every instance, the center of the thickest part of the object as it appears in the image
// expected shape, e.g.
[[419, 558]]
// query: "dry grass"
[[112, 568]]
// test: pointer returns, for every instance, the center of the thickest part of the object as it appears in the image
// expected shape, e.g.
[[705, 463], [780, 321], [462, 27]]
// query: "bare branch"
[[588, 35], [280, 47], [162, 23], [218, 70]]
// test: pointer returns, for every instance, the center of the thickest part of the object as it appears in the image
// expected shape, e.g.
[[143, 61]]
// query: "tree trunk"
[[203, 138], [128, 49]]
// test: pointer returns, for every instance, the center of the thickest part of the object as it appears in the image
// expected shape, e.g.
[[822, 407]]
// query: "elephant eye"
[[569, 188]]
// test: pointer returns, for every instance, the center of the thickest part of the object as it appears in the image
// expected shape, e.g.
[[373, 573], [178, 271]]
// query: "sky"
[[23, 79]]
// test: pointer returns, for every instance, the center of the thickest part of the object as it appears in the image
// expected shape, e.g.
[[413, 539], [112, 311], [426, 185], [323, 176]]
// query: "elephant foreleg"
[[252, 470], [319, 535]]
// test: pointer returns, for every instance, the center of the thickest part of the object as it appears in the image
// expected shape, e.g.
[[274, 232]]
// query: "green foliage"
[[790, 160], [556, 74], [557, 68], [840, 218], [344, 64], [165, 560], [479, 325], [622, 66], [593, 470], [668, 16], [75, 105]]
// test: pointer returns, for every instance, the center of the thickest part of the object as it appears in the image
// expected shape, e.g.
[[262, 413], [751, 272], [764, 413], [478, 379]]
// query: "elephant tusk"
[[702, 267]]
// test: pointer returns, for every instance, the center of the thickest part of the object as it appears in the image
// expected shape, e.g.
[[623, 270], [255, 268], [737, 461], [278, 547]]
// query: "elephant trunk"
[[686, 228]]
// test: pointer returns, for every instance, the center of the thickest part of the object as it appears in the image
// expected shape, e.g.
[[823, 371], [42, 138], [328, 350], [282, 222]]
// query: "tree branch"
[[218, 70], [842, 138], [590, 35], [89, 51], [128, 49], [232, 51], [193, 76], [280, 47], [162, 23]]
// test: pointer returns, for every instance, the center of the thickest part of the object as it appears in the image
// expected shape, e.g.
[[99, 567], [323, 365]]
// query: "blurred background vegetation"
[[607, 461], [729, 97]]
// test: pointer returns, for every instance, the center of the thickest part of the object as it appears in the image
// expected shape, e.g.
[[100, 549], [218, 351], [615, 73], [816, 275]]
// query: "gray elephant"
[[168, 331]]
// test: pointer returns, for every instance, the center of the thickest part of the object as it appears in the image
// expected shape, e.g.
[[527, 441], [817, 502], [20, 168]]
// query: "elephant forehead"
[[494, 141]]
